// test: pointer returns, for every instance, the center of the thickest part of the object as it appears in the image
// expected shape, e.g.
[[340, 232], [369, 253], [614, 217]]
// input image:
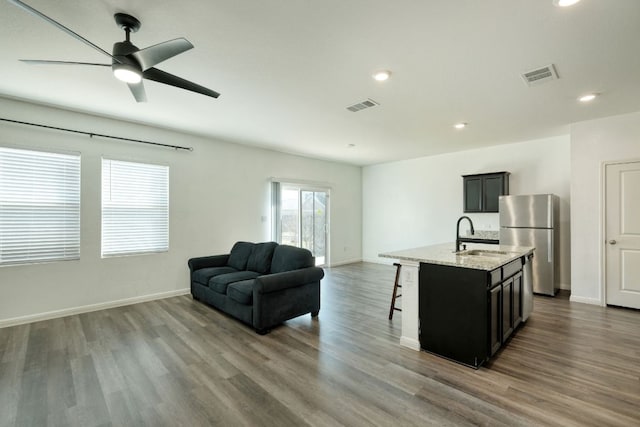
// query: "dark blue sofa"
[[261, 284]]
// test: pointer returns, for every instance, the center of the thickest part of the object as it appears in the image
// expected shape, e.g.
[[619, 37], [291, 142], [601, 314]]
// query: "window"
[[39, 206], [135, 208]]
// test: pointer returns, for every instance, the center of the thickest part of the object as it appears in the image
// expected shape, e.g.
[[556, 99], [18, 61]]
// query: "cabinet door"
[[493, 189], [473, 194], [517, 299], [495, 320], [507, 309]]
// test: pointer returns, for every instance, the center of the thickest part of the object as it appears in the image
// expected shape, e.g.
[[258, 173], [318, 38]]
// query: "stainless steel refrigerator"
[[532, 220]]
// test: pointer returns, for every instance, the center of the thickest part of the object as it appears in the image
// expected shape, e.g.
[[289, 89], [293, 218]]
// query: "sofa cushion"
[[220, 283], [203, 275], [260, 258], [288, 258], [241, 292], [240, 255]]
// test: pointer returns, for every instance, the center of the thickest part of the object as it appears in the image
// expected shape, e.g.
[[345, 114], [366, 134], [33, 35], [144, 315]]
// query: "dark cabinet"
[[472, 194], [481, 192], [517, 299], [495, 319], [505, 299], [466, 314], [507, 309], [493, 188], [453, 306]]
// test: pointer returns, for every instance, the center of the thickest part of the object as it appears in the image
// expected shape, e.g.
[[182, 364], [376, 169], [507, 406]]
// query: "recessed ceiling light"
[[565, 3], [588, 97], [381, 75], [460, 125]]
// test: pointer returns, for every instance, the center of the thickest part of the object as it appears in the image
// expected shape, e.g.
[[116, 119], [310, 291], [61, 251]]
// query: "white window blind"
[[135, 208], [39, 206]]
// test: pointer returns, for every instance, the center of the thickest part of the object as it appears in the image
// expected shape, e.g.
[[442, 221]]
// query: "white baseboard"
[[585, 300], [411, 343], [349, 261], [5, 323]]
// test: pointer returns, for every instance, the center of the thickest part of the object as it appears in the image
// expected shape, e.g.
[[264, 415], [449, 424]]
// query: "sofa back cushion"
[[287, 258], [260, 258], [240, 255]]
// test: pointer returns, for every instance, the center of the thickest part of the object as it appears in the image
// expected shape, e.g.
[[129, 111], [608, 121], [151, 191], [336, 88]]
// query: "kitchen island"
[[464, 305]]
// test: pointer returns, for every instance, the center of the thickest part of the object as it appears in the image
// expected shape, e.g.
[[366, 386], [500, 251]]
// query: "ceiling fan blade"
[[138, 92], [153, 55], [171, 80], [45, 62], [73, 34]]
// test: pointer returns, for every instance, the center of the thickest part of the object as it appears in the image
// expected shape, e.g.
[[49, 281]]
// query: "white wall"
[[219, 194], [417, 202], [593, 143]]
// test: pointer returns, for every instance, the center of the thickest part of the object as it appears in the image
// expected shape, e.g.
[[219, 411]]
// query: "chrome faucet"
[[458, 240]]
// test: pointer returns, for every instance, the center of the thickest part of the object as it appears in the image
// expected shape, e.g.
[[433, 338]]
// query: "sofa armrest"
[[208, 261], [287, 279]]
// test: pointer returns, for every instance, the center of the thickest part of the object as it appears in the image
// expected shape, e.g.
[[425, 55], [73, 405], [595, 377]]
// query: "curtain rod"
[[92, 134]]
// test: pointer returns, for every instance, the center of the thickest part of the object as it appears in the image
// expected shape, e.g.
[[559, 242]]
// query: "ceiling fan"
[[129, 63]]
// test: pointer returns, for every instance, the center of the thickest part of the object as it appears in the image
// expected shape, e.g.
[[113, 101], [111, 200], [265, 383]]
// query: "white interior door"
[[622, 227]]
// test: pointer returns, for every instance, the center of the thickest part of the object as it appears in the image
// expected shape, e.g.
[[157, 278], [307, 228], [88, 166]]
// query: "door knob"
[[612, 242]]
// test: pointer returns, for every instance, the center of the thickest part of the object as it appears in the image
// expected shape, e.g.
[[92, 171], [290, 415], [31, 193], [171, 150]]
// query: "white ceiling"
[[287, 69]]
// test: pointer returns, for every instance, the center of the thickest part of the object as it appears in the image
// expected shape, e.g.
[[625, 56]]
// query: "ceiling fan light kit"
[[127, 73], [129, 63]]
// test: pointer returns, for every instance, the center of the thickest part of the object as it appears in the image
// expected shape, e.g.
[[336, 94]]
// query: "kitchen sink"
[[483, 253]]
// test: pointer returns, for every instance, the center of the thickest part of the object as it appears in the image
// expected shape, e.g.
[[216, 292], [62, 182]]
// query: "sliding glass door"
[[302, 219]]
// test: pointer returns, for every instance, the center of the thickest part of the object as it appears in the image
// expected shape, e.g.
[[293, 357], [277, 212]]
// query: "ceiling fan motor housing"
[[122, 54]]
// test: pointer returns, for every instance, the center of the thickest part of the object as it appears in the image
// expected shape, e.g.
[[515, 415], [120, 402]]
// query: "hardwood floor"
[[178, 362]]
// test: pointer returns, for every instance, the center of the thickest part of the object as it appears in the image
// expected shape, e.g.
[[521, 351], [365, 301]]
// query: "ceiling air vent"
[[540, 75], [362, 105]]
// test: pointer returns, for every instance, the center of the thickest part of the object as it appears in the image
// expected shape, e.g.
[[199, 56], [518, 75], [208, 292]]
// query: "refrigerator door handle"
[[550, 245]]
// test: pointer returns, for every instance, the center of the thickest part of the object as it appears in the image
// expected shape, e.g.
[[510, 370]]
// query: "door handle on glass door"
[[612, 242]]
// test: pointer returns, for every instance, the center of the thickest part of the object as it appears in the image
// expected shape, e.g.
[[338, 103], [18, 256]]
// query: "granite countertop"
[[495, 255]]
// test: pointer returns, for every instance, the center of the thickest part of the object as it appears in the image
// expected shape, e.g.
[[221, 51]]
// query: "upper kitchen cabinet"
[[481, 191]]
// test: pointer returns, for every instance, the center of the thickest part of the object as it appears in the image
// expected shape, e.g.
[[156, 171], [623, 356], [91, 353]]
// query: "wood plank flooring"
[[178, 362]]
